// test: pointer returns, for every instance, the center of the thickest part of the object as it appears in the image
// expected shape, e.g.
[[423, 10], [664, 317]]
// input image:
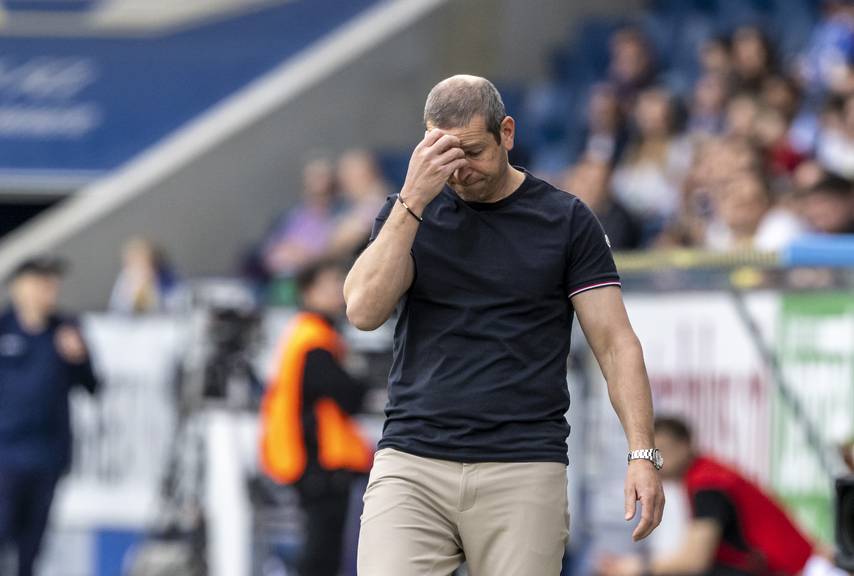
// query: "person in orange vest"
[[309, 439]]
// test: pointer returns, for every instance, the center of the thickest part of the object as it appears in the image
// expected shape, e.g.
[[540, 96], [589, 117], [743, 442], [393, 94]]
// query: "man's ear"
[[508, 133]]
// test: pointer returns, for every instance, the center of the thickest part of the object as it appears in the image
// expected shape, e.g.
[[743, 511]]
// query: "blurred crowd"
[[332, 219], [690, 127], [743, 144], [738, 147]]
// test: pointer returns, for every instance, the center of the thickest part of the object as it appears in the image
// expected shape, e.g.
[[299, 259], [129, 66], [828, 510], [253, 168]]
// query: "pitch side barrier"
[[756, 351]]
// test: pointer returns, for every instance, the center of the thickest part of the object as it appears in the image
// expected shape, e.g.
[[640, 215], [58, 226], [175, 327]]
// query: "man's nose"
[[460, 174]]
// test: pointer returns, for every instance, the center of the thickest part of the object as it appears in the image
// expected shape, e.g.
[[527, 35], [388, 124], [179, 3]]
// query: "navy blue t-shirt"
[[482, 337]]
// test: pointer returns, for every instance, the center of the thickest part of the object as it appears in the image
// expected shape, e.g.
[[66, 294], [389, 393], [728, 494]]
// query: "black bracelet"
[[408, 209]]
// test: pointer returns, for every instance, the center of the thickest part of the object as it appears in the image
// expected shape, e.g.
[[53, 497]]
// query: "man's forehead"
[[473, 132]]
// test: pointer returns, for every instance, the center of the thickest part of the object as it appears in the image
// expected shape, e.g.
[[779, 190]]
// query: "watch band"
[[651, 454]]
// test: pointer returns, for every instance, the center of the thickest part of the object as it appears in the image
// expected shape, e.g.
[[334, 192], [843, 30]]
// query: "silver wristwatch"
[[651, 454]]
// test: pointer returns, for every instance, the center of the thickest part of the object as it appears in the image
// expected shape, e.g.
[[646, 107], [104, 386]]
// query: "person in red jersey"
[[736, 529]]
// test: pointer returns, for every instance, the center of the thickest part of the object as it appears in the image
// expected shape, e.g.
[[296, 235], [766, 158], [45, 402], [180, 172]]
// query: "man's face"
[[318, 179], [827, 212], [39, 292], [487, 158], [743, 203], [677, 455]]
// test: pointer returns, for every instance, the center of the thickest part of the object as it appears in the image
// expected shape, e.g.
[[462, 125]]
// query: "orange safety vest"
[[340, 446]]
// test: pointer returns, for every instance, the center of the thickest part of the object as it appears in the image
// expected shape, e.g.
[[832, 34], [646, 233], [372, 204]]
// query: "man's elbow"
[[361, 315], [623, 345]]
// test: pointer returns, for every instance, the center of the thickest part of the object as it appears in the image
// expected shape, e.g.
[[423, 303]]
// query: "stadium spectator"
[[590, 180], [632, 66], [736, 527], [741, 112], [42, 358], [649, 179], [604, 135], [303, 233], [828, 206], [364, 190], [745, 217], [781, 94], [738, 209], [835, 146], [714, 161], [146, 283], [714, 57], [753, 60], [826, 64], [770, 134], [308, 437], [808, 174], [708, 105]]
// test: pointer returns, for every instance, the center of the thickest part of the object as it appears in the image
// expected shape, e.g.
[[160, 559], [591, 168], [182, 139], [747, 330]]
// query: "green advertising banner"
[[815, 343]]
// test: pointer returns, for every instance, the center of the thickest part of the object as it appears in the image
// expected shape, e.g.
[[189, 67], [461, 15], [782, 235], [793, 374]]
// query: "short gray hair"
[[455, 101]]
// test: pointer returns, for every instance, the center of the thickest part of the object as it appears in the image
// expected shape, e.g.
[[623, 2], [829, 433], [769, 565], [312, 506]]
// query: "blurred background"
[[188, 159]]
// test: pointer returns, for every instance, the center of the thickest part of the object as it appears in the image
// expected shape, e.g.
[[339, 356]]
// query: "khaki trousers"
[[423, 517]]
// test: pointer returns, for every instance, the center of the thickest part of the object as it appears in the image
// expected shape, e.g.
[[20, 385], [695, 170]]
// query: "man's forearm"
[[385, 271], [628, 388], [382, 273]]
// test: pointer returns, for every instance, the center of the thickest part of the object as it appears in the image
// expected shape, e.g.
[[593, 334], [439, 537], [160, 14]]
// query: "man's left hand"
[[643, 484], [70, 345]]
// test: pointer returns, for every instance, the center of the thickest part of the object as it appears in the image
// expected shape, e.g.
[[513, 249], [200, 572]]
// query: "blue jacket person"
[[42, 357]]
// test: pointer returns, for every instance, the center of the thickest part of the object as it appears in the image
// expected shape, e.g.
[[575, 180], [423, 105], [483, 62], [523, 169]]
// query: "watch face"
[[658, 459]]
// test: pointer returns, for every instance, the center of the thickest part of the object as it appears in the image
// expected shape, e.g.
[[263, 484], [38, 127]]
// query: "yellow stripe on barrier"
[[685, 259]]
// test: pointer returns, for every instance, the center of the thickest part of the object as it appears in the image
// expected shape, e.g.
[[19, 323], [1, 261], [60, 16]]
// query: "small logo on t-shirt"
[[607, 241], [12, 345]]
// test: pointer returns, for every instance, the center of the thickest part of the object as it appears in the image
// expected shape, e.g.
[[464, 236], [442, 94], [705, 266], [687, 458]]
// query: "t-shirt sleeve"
[[589, 263], [382, 216], [713, 505]]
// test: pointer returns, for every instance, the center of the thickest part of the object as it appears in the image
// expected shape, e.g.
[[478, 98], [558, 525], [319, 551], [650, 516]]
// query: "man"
[[487, 265], [42, 356], [309, 440], [736, 528]]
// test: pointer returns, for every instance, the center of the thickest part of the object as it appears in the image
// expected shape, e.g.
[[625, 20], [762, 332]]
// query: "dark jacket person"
[[42, 357]]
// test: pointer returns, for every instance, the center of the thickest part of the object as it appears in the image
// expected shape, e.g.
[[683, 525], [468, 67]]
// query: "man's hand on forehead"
[[433, 161], [440, 140]]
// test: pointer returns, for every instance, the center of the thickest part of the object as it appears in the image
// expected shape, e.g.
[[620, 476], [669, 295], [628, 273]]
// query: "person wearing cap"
[[42, 357]]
